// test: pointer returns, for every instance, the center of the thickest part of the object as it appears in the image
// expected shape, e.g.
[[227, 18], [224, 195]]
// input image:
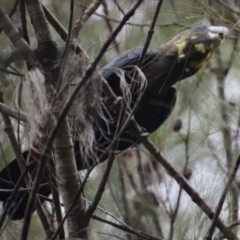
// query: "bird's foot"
[[116, 105], [144, 133]]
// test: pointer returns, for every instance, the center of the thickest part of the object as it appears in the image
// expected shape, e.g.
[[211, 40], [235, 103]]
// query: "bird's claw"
[[144, 134], [116, 104]]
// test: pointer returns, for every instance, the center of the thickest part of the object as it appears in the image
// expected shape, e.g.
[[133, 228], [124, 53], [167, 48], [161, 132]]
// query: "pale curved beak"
[[217, 31]]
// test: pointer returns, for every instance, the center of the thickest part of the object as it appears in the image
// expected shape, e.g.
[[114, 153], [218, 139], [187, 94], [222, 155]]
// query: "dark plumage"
[[176, 60]]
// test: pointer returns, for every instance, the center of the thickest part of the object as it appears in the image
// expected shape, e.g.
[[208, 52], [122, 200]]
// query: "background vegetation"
[[139, 191]]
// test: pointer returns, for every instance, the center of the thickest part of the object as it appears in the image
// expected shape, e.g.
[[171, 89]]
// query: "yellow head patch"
[[181, 47], [200, 47]]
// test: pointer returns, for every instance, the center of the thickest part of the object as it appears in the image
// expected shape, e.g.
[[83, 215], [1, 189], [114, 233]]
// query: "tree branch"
[[12, 11], [131, 23], [126, 229], [15, 37], [18, 115], [67, 106], [223, 197], [39, 21]]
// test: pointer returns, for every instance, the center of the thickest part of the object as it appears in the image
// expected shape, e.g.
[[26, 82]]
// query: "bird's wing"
[[156, 110], [127, 58], [124, 61]]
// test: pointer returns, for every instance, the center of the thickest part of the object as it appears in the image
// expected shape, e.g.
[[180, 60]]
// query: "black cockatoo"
[[179, 58]]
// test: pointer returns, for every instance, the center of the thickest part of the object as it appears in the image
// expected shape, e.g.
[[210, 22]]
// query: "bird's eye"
[[187, 70], [221, 35]]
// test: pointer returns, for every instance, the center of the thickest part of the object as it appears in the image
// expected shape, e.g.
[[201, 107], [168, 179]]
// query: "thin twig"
[[177, 176], [109, 25], [119, 126], [227, 138], [12, 11], [101, 209], [67, 106], [68, 188], [13, 195], [23, 20], [106, 174], [60, 225], [18, 115], [14, 144], [220, 236], [186, 141], [119, 7], [12, 73], [70, 24], [126, 229], [187, 188], [124, 206], [16, 39], [10, 132], [139, 63], [233, 10], [72, 37], [134, 24], [55, 23], [150, 33], [21, 189], [86, 15], [112, 235], [223, 197], [108, 213], [56, 197]]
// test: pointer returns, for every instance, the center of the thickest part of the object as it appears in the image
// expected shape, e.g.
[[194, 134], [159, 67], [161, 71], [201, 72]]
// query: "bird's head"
[[193, 48], [196, 46]]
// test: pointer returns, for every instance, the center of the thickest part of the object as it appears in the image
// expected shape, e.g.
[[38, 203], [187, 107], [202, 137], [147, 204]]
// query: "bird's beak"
[[217, 34], [217, 30], [197, 45]]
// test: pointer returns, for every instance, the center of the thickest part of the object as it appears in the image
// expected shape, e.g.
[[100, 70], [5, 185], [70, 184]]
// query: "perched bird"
[[179, 58]]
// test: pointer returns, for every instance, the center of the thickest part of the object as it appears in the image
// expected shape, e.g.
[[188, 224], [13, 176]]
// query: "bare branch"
[[55, 24], [56, 197], [10, 132], [12, 11], [232, 9], [186, 187], [13, 195], [86, 15], [66, 108], [39, 21], [223, 197], [109, 25], [68, 181], [23, 20], [111, 158], [134, 24], [79, 192], [63, 148], [119, 7], [18, 115], [173, 172], [126, 229], [69, 33], [150, 33], [15, 37]]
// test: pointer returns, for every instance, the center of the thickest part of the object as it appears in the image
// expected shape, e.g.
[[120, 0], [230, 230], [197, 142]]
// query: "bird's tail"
[[8, 179]]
